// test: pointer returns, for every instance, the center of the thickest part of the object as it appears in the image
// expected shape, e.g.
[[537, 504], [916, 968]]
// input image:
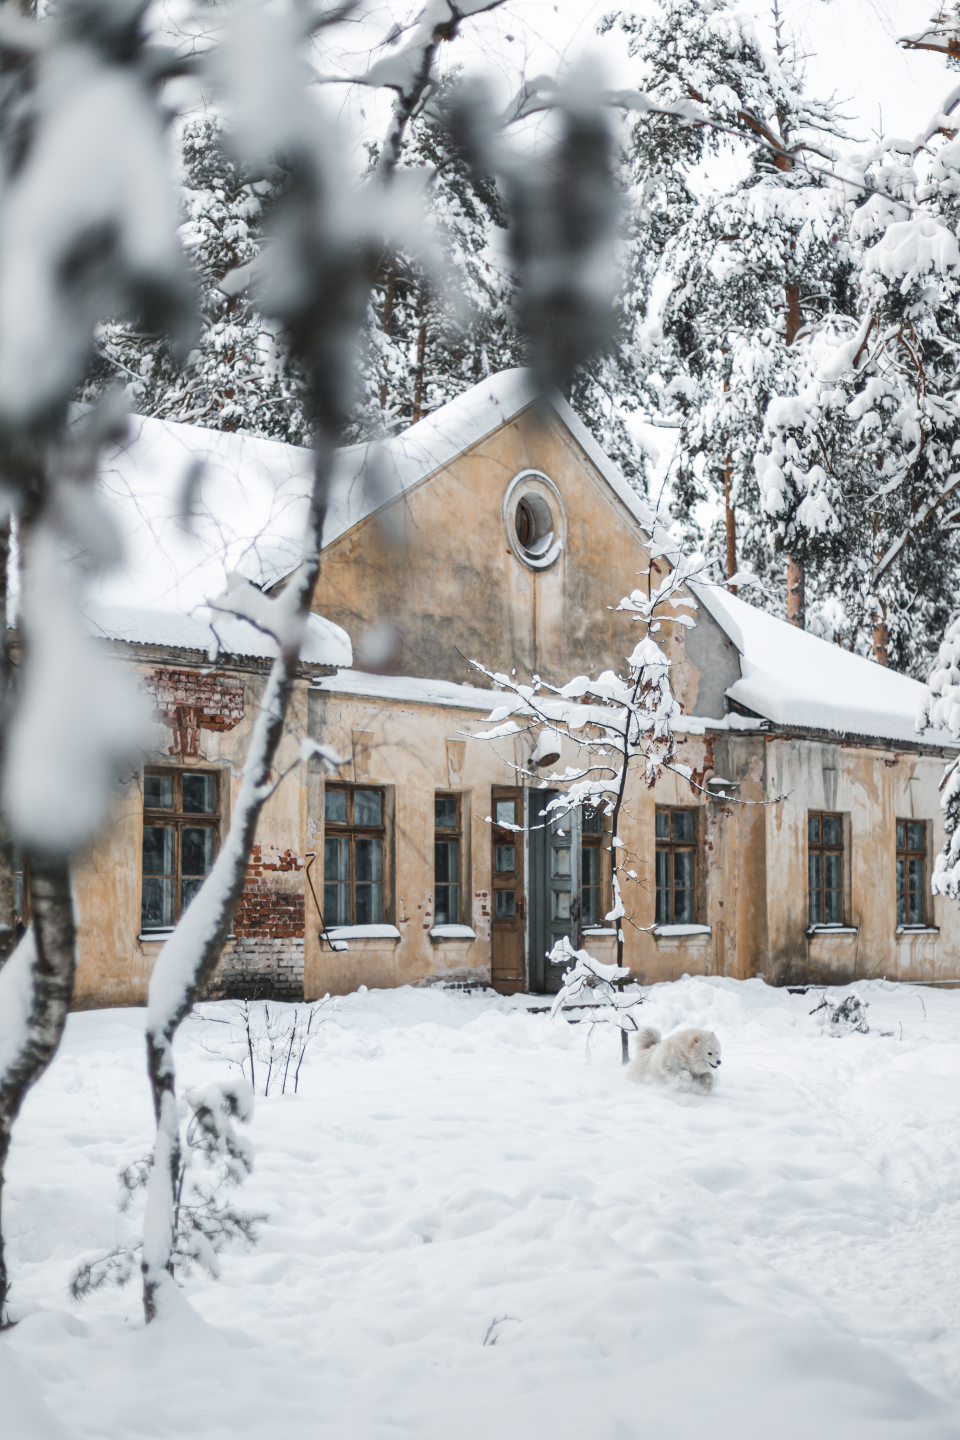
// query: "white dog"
[[687, 1055]]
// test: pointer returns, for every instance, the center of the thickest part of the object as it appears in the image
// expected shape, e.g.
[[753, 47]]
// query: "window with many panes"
[[911, 869], [446, 859], [505, 866], [676, 861], [824, 868], [353, 856], [181, 816], [591, 833]]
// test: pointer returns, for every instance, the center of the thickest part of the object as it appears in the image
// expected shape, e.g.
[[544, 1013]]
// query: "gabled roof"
[[366, 477]]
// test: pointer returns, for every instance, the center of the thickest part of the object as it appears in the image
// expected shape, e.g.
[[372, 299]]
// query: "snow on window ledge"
[[918, 929], [156, 935], [831, 930], [452, 932], [671, 932], [363, 932], [598, 930]]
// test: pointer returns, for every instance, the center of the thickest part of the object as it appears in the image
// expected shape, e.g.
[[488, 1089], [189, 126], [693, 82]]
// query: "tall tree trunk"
[[8, 888], [190, 956], [881, 636], [730, 523], [388, 299], [421, 352], [42, 971], [796, 599]]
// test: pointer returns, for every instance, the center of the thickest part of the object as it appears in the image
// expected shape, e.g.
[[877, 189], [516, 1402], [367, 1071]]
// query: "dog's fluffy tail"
[[647, 1037]]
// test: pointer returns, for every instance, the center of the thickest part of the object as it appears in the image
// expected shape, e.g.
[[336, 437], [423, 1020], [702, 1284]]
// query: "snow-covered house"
[[802, 849]]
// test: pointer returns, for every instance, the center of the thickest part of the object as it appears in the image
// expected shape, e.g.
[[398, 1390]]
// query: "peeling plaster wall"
[[267, 956]]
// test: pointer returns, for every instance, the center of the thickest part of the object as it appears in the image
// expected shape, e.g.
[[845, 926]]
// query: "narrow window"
[[676, 868], [446, 860], [21, 896], [353, 857], [824, 868], [591, 831], [181, 815], [911, 866]]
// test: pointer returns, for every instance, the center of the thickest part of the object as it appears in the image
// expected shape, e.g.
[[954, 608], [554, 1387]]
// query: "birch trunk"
[[190, 956]]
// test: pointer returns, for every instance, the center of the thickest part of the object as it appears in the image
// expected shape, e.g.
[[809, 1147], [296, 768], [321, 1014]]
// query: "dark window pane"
[[367, 807], [18, 901], [592, 822], [158, 792], [197, 852], [156, 909], [815, 916], [369, 859], [683, 908], [813, 829], [901, 889], [506, 905], [901, 835], [663, 869], [506, 812], [815, 871], [683, 825], [916, 837], [832, 907], [506, 859], [560, 907], [915, 868], [445, 812], [815, 881], [199, 794], [663, 825], [832, 871], [590, 865], [832, 830], [446, 861], [335, 807], [336, 904], [336, 858], [446, 910], [590, 906], [683, 869], [369, 904], [663, 907], [158, 847], [188, 888]]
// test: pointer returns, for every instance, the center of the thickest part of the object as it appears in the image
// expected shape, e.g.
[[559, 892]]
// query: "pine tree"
[[239, 377], [750, 273]]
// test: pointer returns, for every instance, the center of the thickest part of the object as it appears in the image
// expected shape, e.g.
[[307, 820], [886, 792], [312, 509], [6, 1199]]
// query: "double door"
[[535, 897]]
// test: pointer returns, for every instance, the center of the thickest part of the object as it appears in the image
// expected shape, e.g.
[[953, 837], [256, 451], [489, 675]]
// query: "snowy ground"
[[778, 1260]]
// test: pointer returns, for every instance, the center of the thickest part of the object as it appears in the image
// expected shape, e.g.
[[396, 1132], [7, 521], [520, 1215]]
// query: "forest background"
[[685, 399]]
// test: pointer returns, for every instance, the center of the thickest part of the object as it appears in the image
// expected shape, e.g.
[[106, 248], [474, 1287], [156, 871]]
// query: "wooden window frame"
[[177, 819], [592, 840], [905, 853], [672, 846], [352, 833], [823, 850], [450, 835]]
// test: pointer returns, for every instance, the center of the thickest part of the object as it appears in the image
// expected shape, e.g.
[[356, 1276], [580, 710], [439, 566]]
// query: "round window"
[[534, 519]]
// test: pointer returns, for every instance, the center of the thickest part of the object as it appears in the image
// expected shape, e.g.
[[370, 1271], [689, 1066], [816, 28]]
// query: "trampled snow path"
[[780, 1259]]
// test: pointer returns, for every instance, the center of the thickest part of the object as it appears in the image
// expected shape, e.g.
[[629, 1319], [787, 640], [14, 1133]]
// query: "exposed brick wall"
[[194, 700], [267, 958]]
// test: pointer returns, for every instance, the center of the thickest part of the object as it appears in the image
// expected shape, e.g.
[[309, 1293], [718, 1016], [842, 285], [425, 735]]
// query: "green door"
[[554, 859]]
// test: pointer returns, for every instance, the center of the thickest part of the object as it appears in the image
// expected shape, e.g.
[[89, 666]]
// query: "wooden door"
[[507, 907]]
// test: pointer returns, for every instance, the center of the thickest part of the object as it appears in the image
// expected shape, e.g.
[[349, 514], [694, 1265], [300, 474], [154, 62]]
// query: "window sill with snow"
[[440, 933], [681, 932]]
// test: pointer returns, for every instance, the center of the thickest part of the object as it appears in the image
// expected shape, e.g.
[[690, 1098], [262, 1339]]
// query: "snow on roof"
[[410, 688], [323, 644], [183, 529], [367, 477], [793, 678]]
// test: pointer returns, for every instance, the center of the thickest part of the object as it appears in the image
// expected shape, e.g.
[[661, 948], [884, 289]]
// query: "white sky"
[[851, 45]]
